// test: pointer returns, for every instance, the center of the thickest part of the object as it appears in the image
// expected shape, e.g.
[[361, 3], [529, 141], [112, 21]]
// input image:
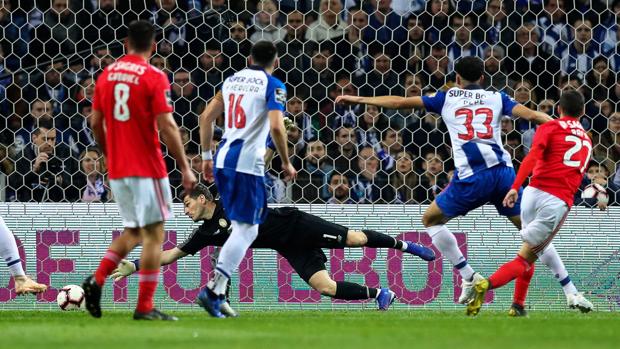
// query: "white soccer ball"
[[70, 297], [595, 191]]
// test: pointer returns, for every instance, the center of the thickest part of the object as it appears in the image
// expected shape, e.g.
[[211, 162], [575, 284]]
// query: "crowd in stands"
[[51, 53]]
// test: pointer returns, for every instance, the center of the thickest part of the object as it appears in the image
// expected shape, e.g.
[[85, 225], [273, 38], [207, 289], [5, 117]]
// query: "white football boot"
[[467, 289], [578, 301]]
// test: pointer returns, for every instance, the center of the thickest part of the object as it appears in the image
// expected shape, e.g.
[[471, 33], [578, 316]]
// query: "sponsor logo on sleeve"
[[280, 95]]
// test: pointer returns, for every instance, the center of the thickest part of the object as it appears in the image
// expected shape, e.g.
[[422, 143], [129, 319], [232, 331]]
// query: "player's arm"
[[270, 147], [126, 268], [276, 105], [527, 166], [523, 112], [96, 124], [390, 102], [207, 120]]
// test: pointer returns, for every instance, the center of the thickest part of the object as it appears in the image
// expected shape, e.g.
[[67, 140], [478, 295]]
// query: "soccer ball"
[[595, 191], [70, 297]]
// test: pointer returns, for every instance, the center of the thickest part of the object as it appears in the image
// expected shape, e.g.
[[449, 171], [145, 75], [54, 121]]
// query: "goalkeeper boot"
[[578, 301], [480, 290], [421, 251], [516, 310], [92, 296], [154, 314], [467, 288], [210, 302], [385, 298]]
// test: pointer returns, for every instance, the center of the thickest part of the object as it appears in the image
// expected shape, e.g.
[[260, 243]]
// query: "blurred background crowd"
[[51, 53]]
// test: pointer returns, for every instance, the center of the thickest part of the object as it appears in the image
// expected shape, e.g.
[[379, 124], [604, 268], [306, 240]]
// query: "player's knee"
[[356, 238], [428, 219], [325, 286]]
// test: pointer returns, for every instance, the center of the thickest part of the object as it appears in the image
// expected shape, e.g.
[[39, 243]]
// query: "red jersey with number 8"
[[566, 151], [130, 94]]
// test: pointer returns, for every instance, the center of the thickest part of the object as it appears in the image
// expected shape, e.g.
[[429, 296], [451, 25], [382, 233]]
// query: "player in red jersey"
[[559, 157], [131, 102]]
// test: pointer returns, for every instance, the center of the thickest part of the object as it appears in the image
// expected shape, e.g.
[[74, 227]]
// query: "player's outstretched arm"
[[391, 102], [526, 113], [207, 119], [278, 134], [96, 123], [126, 268], [171, 136]]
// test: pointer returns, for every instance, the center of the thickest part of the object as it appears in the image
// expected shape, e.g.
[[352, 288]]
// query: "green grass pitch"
[[312, 329]]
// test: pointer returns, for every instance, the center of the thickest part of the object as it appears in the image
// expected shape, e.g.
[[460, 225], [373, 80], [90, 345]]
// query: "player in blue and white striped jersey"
[[484, 172], [253, 103]]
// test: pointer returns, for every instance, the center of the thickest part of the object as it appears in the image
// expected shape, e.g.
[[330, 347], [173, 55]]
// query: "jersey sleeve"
[[270, 144], [508, 103], [276, 94], [161, 95], [434, 104]]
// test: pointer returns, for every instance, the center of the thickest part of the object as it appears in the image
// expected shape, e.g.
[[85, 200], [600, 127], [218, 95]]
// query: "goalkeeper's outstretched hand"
[[124, 269]]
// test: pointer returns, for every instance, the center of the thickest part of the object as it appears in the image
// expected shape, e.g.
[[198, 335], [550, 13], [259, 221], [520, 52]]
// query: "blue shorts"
[[243, 195], [487, 186]]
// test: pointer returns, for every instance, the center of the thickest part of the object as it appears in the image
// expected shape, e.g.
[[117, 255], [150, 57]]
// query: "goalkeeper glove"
[[124, 269]]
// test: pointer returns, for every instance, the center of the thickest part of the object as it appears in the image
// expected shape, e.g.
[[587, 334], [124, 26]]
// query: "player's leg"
[[542, 215], [309, 263], [10, 254], [371, 238], [434, 220]]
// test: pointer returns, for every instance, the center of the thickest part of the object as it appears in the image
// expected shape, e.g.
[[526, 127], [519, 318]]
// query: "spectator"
[[600, 79], [429, 131], [162, 64], [415, 48], [578, 56], [291, 48], [382, 80], [47, 85], [433, 179], [352, 49], [405, 180], [407, 7], [527, 61], [608, 144], [436, 67], [318, 77], [59, 34], [309, 126], [608, 33], [493, 27], [371, 184], [599, 174], [311, 183], [462, 44], [212, 71], [413, 87], [343, 149], [237, 48], [79, 136], [435, 20], [371, 126], [329, 25], [553, 25], [44, 171], [386, 26], [524, 94], [15, 31], [90, 180], [495, 76], [266, 26], [107, 22], [185, 101], [40, 114], [339, 189]]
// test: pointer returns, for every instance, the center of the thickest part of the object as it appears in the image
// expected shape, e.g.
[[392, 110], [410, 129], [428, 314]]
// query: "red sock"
[[108, 263], [509, 272], [148, 285], [521, 286]]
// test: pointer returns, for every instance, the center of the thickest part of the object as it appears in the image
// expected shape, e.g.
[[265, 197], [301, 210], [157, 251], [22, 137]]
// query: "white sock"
[[405, 245], [232, 253], [552, 260], [9, 251], [446, 243]]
